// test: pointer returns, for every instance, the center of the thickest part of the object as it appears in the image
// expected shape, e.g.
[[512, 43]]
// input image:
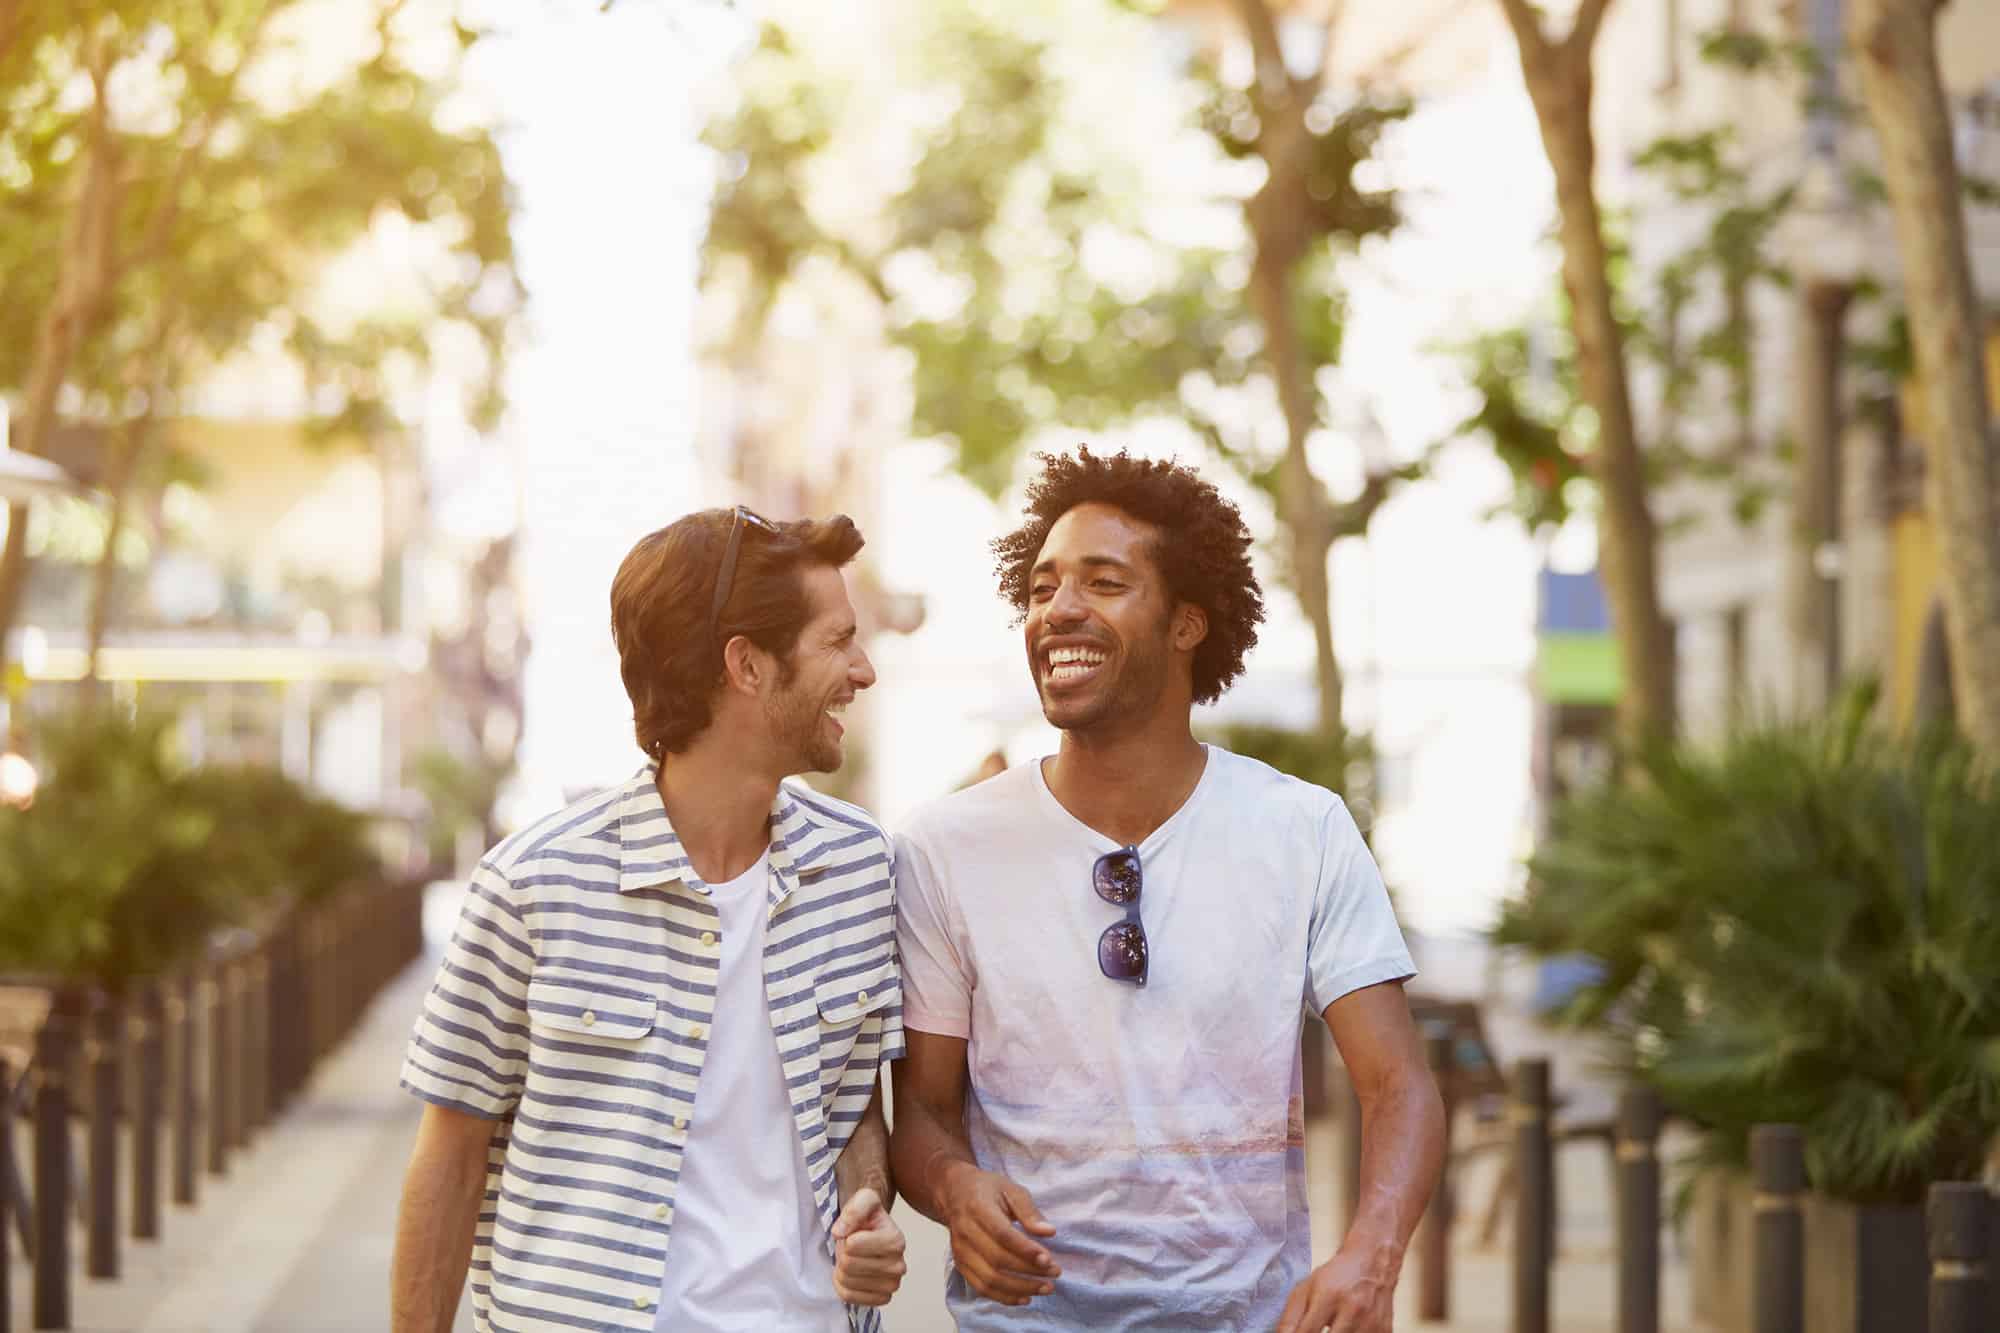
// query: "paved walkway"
[[297, 1237]]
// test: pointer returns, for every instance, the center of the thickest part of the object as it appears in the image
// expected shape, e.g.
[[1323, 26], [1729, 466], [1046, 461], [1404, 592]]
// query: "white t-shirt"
[[746, 1253], [1160, 1129]]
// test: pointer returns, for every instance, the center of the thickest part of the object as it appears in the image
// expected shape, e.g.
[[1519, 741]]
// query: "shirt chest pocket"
[[845, 1003], [581, 1017]]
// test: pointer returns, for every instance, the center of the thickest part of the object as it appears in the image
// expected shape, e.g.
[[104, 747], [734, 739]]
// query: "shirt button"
[[697, 1032], [861, 998], [661, 1212], [708, 939], [680, 1122], [641, 1302], [588, 1018]]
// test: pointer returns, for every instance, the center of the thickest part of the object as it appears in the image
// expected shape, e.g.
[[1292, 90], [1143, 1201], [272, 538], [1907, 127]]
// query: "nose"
[[1064, 607], [861, 672]]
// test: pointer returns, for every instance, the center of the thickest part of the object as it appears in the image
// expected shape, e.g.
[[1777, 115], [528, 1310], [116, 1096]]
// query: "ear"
[[1190, 627], [744, 666]]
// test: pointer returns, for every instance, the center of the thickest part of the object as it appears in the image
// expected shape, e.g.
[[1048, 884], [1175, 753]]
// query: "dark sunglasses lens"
[[1121, 952], [1117, 878]]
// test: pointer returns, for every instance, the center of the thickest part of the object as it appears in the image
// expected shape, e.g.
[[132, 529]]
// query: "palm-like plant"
[[1801, 925]]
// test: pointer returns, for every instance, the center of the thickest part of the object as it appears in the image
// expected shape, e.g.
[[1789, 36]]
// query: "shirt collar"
[[650, 852]]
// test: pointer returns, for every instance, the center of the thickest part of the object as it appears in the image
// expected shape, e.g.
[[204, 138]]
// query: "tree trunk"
[[1558, 77], [1895, 43], [87, 270], [1814, 595], [1301, 502], [122, 468]]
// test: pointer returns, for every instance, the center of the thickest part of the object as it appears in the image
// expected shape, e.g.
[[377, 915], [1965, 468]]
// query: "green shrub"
[[1800, 925], [127, 861]]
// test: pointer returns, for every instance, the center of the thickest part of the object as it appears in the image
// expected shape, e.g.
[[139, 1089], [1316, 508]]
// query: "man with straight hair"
[[1108, 953], [651, 1057]]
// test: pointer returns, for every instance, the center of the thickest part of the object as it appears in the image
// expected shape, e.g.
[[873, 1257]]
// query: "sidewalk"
[[297, 1238]]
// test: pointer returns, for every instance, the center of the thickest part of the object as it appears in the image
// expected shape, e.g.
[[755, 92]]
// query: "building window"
[[1736, 662]]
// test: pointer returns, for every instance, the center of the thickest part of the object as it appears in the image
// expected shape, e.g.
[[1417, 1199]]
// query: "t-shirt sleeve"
[[1353, 940], [470, 1048], [937, 984]]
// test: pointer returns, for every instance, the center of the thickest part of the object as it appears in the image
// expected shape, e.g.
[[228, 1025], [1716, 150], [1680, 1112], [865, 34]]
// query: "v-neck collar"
[[1154, 839]]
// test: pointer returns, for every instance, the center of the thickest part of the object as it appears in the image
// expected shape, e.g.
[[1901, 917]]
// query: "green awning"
[[1577, 668]]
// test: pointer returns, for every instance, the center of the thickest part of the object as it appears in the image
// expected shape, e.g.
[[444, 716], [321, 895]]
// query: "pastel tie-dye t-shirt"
[[1160, 1129]]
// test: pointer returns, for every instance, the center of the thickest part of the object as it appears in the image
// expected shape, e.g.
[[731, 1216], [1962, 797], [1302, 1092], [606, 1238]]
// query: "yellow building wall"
[[1914, 556]]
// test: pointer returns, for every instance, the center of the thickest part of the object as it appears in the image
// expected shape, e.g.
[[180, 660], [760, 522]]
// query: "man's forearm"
[[864, 1162], [1402, 1152], [924, 1150], [434, 1227]]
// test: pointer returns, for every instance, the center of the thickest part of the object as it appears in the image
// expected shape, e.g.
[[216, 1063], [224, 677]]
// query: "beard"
[[1134, 691], [799, 730]]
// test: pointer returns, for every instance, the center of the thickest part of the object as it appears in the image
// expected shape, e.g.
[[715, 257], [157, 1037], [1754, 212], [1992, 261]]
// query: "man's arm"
[[442, 1192], [868, 1245], [1402, 1151], [934, 1164], [864, 1162]]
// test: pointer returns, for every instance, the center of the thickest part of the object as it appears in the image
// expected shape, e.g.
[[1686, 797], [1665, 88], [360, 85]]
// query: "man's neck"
[[720, 810], [1125, 784]]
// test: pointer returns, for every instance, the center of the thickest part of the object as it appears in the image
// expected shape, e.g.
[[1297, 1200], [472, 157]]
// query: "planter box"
[[1866, 1267]]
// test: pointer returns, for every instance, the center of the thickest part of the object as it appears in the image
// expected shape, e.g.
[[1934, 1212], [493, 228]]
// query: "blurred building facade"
[[294, 602], [1836, 577]]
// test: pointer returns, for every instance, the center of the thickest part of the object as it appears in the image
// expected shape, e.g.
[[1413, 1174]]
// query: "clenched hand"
[[867, 1251]]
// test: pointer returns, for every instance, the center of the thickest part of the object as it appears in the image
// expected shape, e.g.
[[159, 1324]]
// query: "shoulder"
[[1248, 780], [581, 835], [827, 835], [832, 813], [999, 804]]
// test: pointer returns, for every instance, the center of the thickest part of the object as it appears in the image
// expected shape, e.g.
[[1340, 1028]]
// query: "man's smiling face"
[[1099, 622]]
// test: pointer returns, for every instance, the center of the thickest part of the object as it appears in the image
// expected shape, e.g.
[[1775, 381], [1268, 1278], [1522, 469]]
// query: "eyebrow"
[[1088, 562]]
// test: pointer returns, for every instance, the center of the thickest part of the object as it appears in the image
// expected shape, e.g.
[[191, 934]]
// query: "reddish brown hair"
[[660, 600]]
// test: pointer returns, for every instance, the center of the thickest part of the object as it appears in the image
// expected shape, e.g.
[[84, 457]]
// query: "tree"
[[160, 230], [1559, 78], [1895, 45], [1035, 334]]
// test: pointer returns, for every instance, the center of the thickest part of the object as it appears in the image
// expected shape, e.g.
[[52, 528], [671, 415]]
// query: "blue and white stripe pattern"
[[574, 1005]]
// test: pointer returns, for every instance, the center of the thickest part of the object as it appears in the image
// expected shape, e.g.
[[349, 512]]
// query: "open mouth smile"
[[1067, 666]]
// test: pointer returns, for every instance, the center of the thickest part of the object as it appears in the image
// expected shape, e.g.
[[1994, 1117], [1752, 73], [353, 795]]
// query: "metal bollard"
[[1778, 1169], [244, 979], [1958, 1218], [148, 1094], [229, 1109], [1639, 1211], [215, 1044], [53, 1049], [1533, 1177], [1434, 1231], [103, 1062], [180, 1009]]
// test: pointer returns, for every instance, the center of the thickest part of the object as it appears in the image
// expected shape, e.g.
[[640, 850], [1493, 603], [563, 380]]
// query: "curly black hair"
[[1203, 551]]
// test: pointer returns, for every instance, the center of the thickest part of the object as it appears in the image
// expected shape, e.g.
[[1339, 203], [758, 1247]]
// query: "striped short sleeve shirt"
[[574, 1004]]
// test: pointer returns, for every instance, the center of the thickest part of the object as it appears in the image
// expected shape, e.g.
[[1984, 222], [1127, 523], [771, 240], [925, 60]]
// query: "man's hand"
[[1344, 1295], [867, 1251], [996, 1257]]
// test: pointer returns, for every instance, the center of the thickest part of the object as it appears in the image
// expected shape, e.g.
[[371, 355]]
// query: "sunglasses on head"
[[1121, 949], [726, 575]]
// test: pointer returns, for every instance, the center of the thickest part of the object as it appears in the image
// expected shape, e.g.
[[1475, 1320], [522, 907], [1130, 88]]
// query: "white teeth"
[[1086, 657]]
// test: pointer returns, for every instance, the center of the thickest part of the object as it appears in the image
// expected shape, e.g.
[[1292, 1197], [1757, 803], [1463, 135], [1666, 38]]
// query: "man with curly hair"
[[1107, 955]]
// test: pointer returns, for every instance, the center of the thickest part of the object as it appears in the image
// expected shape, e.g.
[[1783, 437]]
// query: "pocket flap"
[[848, 998], [577, 1004]]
